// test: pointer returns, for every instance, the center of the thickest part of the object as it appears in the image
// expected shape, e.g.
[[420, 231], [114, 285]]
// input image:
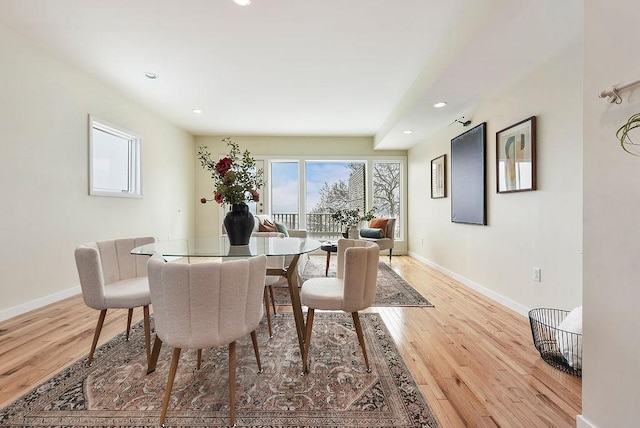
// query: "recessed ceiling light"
[[408, 131], [440, 104], [151, 75], [243, 2], [197, 111]]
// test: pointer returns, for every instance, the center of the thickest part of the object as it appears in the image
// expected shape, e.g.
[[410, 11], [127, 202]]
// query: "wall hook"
[[461, 121]]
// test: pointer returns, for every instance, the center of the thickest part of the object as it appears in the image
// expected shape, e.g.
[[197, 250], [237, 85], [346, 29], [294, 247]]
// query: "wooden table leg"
[[293, 281]]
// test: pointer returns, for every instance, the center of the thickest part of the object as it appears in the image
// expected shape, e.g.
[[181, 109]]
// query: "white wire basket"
[[559, 348]]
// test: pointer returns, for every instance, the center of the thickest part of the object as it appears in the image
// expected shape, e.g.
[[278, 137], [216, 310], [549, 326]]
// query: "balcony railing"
[[319, 225]]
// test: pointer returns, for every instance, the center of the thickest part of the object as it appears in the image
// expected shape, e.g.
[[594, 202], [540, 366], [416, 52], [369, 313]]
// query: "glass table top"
[[220, 247]]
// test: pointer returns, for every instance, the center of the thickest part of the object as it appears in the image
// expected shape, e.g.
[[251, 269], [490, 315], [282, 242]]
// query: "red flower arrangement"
[[236, 179]]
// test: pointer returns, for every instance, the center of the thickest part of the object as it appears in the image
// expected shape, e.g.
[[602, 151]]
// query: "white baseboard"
[[505, 301], [581, 422], [5, 314]]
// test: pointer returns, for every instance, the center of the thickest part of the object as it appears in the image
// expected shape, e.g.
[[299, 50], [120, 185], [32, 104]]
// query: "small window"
[[114, 161]]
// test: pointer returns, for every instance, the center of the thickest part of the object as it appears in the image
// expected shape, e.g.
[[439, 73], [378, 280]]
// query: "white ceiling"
[[302, 67]]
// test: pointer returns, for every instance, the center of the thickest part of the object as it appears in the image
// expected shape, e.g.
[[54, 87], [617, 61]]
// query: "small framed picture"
[[438, 177], [516, 157]]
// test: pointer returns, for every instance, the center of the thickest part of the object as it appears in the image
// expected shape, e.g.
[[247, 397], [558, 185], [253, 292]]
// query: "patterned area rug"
[[392, 289], [116, 391]]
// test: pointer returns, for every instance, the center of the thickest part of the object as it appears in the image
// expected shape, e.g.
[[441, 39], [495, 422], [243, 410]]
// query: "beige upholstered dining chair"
[[273, 262], [111, 277], [204, 305], [353, 289]]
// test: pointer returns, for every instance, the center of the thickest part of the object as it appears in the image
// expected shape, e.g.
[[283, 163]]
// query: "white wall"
[[46, 211], [207, 216], [541, 228], [611, 395]]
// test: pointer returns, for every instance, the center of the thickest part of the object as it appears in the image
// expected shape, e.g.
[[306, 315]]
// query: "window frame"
[[400, 216], [134, 169]]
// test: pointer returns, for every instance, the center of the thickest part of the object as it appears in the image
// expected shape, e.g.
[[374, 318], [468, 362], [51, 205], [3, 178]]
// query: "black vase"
[[239, 224]]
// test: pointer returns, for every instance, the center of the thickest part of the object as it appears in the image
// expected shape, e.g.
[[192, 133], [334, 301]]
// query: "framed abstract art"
[[516, 157]]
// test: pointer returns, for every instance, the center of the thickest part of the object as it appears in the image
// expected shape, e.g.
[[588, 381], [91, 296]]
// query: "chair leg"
[[151, 365], [129, 316], [96, 335], [266, 309], [254, 339], [167, 392], [147, 331], [307, 341], [232, 382], [199, 359], [356, 323], [273, 299], [390, 251], [326, 265]]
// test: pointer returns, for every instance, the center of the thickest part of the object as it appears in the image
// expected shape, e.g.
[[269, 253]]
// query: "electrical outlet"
[[421, 240], [537, 274]]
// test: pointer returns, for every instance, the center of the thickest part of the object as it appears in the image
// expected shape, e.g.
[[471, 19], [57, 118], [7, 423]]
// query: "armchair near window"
[[382, 231]]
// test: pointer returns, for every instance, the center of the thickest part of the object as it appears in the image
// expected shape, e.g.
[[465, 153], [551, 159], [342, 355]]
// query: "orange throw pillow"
[[379, 223], [267, 226]]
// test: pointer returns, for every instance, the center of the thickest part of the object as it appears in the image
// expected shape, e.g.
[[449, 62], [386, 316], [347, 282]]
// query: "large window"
[[114, 161], [303, 192]]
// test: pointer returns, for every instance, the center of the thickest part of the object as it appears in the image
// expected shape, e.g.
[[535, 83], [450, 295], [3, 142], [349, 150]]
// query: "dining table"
[[193, 249]]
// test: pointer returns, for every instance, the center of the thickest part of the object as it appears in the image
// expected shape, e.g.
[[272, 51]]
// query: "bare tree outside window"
[[333, 196], [386, 191]]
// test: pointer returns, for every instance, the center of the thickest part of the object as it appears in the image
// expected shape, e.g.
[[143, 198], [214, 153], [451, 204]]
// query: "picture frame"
[[516, 157], [468, 176], [439, 177]]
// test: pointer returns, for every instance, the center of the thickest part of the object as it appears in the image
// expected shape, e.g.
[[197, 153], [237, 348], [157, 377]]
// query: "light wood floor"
[[472, 358]]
